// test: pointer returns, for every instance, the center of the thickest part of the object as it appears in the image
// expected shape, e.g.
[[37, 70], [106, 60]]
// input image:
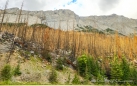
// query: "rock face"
[[67, 19]]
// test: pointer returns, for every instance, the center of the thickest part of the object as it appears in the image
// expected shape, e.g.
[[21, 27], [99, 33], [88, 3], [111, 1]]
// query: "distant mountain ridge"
[[67, 19]]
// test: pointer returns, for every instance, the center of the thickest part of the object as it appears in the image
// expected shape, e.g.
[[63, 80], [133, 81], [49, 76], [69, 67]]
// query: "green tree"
[[87, 66], [81, 64], [68, 81], [126, 69], [17, 71], [59, 65], [76, 80], [53, 77], [134, 76], [116, 70]]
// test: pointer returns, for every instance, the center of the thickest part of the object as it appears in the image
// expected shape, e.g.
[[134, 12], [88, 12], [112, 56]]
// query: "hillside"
[[72, 50], [67, 19], [34, 68]]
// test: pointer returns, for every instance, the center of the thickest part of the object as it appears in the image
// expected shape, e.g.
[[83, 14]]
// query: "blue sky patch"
[[73, 1]]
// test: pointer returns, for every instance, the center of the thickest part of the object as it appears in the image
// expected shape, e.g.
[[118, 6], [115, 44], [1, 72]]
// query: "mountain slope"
[[67, 19]]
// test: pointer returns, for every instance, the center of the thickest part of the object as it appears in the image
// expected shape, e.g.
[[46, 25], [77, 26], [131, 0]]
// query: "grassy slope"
[[34, 71]]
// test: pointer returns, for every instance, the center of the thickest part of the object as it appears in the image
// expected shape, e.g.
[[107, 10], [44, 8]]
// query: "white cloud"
[[80, 7], [107, 5], [126, 8]]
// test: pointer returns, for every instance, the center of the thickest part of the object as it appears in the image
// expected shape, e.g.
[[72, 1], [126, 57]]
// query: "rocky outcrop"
[[67, 19]]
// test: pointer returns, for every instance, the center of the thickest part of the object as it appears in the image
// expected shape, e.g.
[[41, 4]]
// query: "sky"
[[127, 8]]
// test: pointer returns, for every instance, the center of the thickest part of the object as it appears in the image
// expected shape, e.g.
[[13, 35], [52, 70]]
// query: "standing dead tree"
[[25, 28], [58, 40], [19, 32], [73, 52], [4, 14], [67, 38], [12, 44]]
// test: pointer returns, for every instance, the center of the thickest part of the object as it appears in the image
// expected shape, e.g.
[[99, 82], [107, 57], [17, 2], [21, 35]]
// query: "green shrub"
[[6, 73], [134, 76], [53, 77], [86, 80], [68, 81], [45, 54], [17, 71], [76, 80], [59, 65], [100, 79]]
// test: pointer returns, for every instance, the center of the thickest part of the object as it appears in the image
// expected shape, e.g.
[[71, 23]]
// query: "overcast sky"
[[127, 8]]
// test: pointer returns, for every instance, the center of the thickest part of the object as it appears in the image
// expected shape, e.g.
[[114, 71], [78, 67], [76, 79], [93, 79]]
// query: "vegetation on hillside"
[[96, 57], [99, 49], [39, 25]]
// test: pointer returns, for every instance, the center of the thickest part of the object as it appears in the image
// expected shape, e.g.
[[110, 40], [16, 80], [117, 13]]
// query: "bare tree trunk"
[[4, 14], [67, 38], [58, 43], [12, 45], [19, 32], [73, 53]]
